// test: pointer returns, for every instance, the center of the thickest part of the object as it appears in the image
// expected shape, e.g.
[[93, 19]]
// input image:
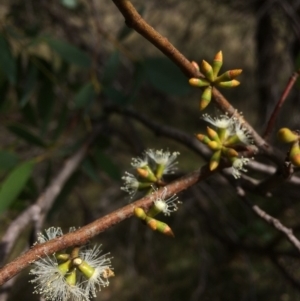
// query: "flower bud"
[[205, 98], [157, 225], [217, 63], [229, 84], [285, 135], [295, 154], [204, 139], [230, 152], [207, 70], [198, 82], [146, 173], [195, 65], [212, 134], [140, 213], [228, 75], [213, 145], [215, 160]]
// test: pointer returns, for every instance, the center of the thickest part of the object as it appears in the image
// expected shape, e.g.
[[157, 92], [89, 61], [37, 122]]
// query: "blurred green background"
[[69, 66]]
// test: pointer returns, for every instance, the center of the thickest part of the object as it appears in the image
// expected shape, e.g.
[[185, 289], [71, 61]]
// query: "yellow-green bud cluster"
[[285, 135], [223, 141], [210, 72]]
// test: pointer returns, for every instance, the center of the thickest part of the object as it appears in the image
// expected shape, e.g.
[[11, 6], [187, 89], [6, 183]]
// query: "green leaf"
[[29, 86], [110, 68], [29, 114], [85, 96], [62, 120], [166, 76], [45, 104], [8, 160], [107, 165], [14, 183], [115, 95], [26, 135], [69, 53], [7, 62]]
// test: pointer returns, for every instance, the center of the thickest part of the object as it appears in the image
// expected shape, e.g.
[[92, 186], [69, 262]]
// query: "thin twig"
[[280, 103], [274, 222]]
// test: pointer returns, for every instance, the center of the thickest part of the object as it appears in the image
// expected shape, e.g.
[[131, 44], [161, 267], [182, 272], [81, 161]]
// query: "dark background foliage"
[[65, 66]]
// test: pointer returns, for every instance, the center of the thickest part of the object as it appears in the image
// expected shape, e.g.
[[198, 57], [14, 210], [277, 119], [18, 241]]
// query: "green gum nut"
[[285, 135], [295, 154], [153, 211], [64, 267], [217, 63], [205, 98], [229, 84], [199, 82], [71, 278], [83, 267], [160, 171], [215, 160], [62, 256], [207, 70]]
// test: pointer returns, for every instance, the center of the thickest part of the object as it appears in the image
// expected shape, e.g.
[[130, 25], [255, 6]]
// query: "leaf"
[[14, 183], [29, 114], [166, 76], [8, 160], [29, 86], [115, 95], [26, 135], [61, 122], [85, 96], [69, 53], [45, 104], [107, 165], [110, 68], [7, 62]]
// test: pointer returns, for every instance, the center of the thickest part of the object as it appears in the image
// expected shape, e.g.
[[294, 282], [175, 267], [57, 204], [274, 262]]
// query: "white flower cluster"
[[62, 280], [232, 126]]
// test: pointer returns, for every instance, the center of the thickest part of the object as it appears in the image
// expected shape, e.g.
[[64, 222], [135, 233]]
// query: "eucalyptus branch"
[[84, 234], [134, 20]]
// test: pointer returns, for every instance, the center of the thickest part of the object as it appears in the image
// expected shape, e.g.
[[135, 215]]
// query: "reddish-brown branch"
[[280, 103], [84, 234]]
